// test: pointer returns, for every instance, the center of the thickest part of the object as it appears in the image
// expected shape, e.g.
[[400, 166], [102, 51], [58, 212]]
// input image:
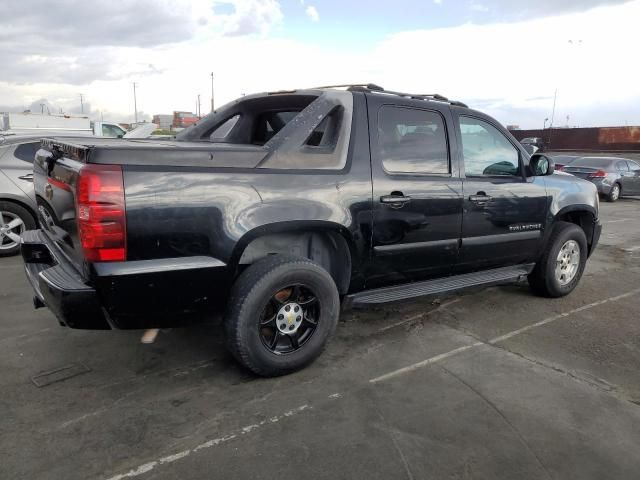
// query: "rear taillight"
[[598, 174], [101, 213]]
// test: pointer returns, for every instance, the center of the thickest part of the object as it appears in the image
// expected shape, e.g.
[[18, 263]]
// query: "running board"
[[439, 286]]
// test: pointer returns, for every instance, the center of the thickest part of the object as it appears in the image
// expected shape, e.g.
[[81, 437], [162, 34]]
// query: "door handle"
[[480, 199], [28, 177], [396, 201]]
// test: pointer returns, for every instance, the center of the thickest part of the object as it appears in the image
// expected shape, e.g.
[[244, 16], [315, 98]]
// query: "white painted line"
[[617, 221], [632, 249], [501, 338], [424, 363], [147, 467]]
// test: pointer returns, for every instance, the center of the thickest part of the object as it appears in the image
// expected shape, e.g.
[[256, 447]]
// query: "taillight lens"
[[598, 174], [102, 218]]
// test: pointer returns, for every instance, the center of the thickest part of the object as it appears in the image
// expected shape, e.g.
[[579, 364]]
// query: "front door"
[[417, 193], [504, 211]]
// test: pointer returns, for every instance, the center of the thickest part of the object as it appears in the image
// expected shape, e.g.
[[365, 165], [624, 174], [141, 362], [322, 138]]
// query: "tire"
[[259, 294], [615, 193], [13, 214], [543, 280]]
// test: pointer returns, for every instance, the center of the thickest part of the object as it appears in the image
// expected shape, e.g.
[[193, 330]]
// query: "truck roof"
[[377, 89]]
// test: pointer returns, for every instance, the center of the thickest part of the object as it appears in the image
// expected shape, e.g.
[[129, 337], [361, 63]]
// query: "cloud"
[[509, 70], [248, 16], [77, 42], [82, 23], [478, 7], [312, 13], [527, 9]]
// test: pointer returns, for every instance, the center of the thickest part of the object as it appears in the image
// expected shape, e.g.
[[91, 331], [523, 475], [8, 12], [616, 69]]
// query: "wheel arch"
[[23, 204], [584, 216], [327, 243]]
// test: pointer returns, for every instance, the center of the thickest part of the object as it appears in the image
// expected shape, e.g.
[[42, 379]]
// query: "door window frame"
[[378, 159], [449, 138], [521, 178]]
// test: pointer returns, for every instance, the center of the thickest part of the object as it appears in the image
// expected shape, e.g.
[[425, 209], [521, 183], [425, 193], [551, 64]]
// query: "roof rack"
[[373, 88]]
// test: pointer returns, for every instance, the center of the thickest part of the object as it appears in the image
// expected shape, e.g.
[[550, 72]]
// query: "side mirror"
[[541, 165]]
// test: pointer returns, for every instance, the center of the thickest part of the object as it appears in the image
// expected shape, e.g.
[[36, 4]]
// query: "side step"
[[438, 286]]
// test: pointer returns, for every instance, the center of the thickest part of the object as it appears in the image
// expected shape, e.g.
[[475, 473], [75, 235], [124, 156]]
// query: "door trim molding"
[[382, 250], [501, 238]]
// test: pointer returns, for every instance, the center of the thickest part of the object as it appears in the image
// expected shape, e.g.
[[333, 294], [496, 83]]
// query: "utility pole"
[[81, 103], [553, 114], [42, 108], [198, 110], [212, 104], [135, 103]]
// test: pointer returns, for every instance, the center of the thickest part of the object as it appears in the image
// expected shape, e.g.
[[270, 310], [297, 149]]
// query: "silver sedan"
[[17, 197], [613, 176]]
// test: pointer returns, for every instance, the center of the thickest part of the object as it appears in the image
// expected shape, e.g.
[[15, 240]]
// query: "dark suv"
[[280, 206]]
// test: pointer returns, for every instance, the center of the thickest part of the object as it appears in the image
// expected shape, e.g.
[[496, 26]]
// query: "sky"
[[507, 58]]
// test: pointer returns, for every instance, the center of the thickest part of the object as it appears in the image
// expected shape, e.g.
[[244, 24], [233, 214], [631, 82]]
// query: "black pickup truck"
[[279, 207]]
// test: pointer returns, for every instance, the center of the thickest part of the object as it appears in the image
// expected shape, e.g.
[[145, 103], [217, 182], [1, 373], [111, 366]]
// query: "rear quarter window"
[[26, 151]]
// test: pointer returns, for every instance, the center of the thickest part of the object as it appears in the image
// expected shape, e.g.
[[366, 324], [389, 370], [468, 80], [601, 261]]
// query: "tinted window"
[[26, 151], [223, 130], [112, 131], [270, 123], [486, 150], [633, 166], [412, 141], [622, 166]]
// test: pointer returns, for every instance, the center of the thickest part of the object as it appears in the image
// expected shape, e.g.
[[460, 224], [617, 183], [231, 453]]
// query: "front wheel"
[[281, 313], [559, 270]]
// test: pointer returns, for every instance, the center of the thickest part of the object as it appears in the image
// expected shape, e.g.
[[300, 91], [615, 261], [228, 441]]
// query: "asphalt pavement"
[[492, 384]]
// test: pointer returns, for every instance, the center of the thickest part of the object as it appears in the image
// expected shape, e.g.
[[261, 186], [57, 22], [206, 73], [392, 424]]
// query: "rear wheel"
[[614, 194], [562, 263], [281, 313], [14, 221]]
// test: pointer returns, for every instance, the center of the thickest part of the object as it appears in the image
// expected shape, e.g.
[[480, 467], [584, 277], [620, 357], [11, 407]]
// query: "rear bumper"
[[59, 286], [603, 185], [125, 295]]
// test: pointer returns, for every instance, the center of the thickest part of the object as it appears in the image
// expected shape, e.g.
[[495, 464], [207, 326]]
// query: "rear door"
[[634, 177], [504, 211], [17, 165], [417, 192], [625, 175]]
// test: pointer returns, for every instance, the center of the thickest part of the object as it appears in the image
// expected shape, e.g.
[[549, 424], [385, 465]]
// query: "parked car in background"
[[562, 161], [612, 176], [17, 197], [535, 142]]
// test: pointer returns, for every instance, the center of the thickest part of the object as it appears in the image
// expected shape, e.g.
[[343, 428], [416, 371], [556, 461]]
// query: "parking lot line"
[[619, 220], [147, 467], [501, 338]]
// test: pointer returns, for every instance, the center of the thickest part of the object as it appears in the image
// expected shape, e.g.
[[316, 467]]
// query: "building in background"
[[184, 119], [598, 139], [164, 122]]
